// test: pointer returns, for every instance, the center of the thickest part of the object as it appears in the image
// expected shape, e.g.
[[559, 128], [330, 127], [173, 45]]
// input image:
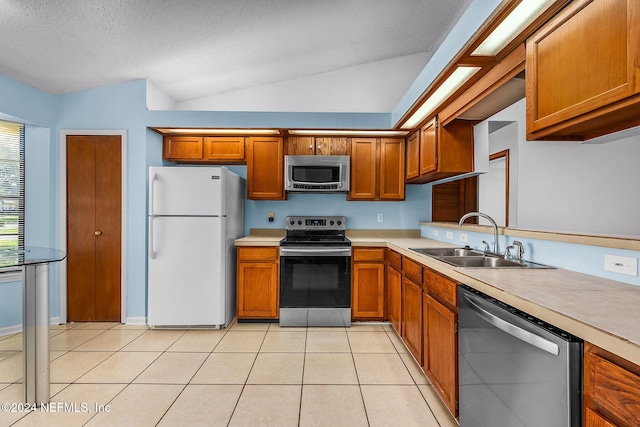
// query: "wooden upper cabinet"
[[429, 147], [412, 147], [315, 145], [364, 169], [443, 151], [377, 169], [176, 148], [391, 169], [224, 148], [583, 71], [198, 149], [265, 168]]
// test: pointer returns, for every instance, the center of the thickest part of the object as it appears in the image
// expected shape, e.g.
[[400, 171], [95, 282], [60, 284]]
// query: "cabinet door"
[[368, 290], [364, 174], [176, 148], [593, 419], [257, 295], [224, 148], [265, 169], [587, 57], [391, 169], [440, 350], [429, 147], [394, 299], [300, 146], [412, 318], [332, 146], [413, 155]]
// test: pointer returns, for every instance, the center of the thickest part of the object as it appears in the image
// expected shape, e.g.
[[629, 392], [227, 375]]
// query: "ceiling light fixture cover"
[[524, 14], [213, 131], [453, 83], [316, 132]]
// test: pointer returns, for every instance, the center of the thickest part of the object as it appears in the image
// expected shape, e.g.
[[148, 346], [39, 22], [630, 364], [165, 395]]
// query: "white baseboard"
[[14, 329], [135, 320], [10, 330]]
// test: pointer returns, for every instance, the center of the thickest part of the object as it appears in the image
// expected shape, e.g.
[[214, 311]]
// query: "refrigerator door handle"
[[154, 178], [152, 252], [513, 330]]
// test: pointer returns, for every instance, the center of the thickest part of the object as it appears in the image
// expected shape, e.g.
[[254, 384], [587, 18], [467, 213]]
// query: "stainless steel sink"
[[469, 258], [447, 252]]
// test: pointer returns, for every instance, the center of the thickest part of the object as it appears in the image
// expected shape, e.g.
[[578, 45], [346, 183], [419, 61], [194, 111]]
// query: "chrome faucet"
[[488, 218]]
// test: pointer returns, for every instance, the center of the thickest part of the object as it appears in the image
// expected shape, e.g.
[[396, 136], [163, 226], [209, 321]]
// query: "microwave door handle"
[[340, 175]]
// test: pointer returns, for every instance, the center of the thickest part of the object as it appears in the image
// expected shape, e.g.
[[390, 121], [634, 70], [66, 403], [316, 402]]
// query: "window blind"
[[11, 185]]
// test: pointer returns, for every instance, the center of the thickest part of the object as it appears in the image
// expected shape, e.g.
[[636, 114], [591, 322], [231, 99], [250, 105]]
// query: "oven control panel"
[[316, 223]]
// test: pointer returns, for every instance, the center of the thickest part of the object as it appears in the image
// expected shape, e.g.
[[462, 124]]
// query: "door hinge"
[[436, 161], [437, 123]]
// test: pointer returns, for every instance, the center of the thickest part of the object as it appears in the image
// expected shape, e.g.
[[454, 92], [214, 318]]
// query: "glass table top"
[[14, 257]]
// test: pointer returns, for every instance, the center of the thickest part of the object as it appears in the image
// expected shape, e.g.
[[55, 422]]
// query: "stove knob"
[[299, 222], [292, 222], [330, 222], [339, 222]]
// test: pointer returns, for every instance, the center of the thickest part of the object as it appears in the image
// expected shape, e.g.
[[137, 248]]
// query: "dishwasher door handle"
[[514, 330]]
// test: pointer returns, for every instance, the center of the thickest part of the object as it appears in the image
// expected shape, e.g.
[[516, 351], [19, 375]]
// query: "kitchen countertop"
[[601, 311]]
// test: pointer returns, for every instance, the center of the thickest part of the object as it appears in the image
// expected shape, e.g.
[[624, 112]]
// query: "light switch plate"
[[434, 233], [464, 237], [380, 217], [621, 264], [449, 234]]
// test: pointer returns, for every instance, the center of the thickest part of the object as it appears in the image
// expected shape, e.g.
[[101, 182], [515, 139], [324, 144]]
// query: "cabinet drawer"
[[394, 259], [368, 254], [440, 287], [261, 253], [412, 270], [613, 391]]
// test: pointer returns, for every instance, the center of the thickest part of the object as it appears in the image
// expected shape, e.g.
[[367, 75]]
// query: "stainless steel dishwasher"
[[514, 369]]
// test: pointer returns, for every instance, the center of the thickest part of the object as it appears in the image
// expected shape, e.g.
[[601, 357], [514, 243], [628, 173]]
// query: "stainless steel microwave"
[[316, 174]]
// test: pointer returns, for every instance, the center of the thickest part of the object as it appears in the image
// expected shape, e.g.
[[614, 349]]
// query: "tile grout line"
[[355, 368]]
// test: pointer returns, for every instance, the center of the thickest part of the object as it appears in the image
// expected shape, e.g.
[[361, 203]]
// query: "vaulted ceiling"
[[264, 55]]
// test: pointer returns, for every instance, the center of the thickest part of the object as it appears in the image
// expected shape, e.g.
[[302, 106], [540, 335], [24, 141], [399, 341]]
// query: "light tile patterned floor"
[[251, 374]]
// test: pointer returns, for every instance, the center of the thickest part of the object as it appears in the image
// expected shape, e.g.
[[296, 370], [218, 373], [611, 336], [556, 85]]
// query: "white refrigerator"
[[195, 214]]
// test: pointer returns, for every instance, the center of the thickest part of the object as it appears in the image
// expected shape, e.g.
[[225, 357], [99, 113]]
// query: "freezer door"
[[186, 271], [186, 191]]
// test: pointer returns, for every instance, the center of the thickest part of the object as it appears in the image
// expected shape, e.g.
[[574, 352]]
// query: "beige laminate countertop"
[[601, 311]]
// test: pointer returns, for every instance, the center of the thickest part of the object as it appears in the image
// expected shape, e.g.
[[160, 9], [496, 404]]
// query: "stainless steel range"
[[315, 272]]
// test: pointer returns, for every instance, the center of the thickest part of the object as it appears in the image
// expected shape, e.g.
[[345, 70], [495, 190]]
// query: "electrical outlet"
[[380, 218], [270, 216], [449, 234], [464, 237], [621, 264], [434, 233]]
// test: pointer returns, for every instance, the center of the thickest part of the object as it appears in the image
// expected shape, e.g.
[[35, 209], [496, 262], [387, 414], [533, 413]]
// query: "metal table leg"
[[35, 333]]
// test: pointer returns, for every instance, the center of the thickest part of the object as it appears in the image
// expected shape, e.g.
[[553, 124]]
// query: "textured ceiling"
[[198, 49]]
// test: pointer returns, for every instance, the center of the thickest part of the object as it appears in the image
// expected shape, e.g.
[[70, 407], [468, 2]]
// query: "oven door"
[[315, 286]]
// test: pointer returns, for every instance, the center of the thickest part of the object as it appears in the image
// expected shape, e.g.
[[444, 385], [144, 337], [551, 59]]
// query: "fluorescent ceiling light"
[[523, 15], [317, 132], [213, 131], [453, 83]]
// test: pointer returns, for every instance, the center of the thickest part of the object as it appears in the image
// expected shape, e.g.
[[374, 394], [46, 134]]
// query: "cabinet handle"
[[310, 146], [98, 233]]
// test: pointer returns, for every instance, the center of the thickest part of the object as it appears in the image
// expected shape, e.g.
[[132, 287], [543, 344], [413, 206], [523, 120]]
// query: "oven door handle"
[[315, 251], [513, 330]]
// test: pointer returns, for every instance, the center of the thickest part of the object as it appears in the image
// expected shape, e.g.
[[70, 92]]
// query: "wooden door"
[[265, 169], [412, 317], [332, 146], [94, 174], [413, 155], [394, 281], [368, 291], [391, 169], [429, 147], [364, 171], [300, 146], [440, 350]]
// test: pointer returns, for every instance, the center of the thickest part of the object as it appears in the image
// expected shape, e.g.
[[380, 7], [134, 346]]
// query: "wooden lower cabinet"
[[258, 283], [412, 317], [367, 290], [611, 385], [394, 298], [440, 350]]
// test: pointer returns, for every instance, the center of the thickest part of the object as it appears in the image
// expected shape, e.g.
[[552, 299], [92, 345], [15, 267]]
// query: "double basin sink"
[[469, 258]]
